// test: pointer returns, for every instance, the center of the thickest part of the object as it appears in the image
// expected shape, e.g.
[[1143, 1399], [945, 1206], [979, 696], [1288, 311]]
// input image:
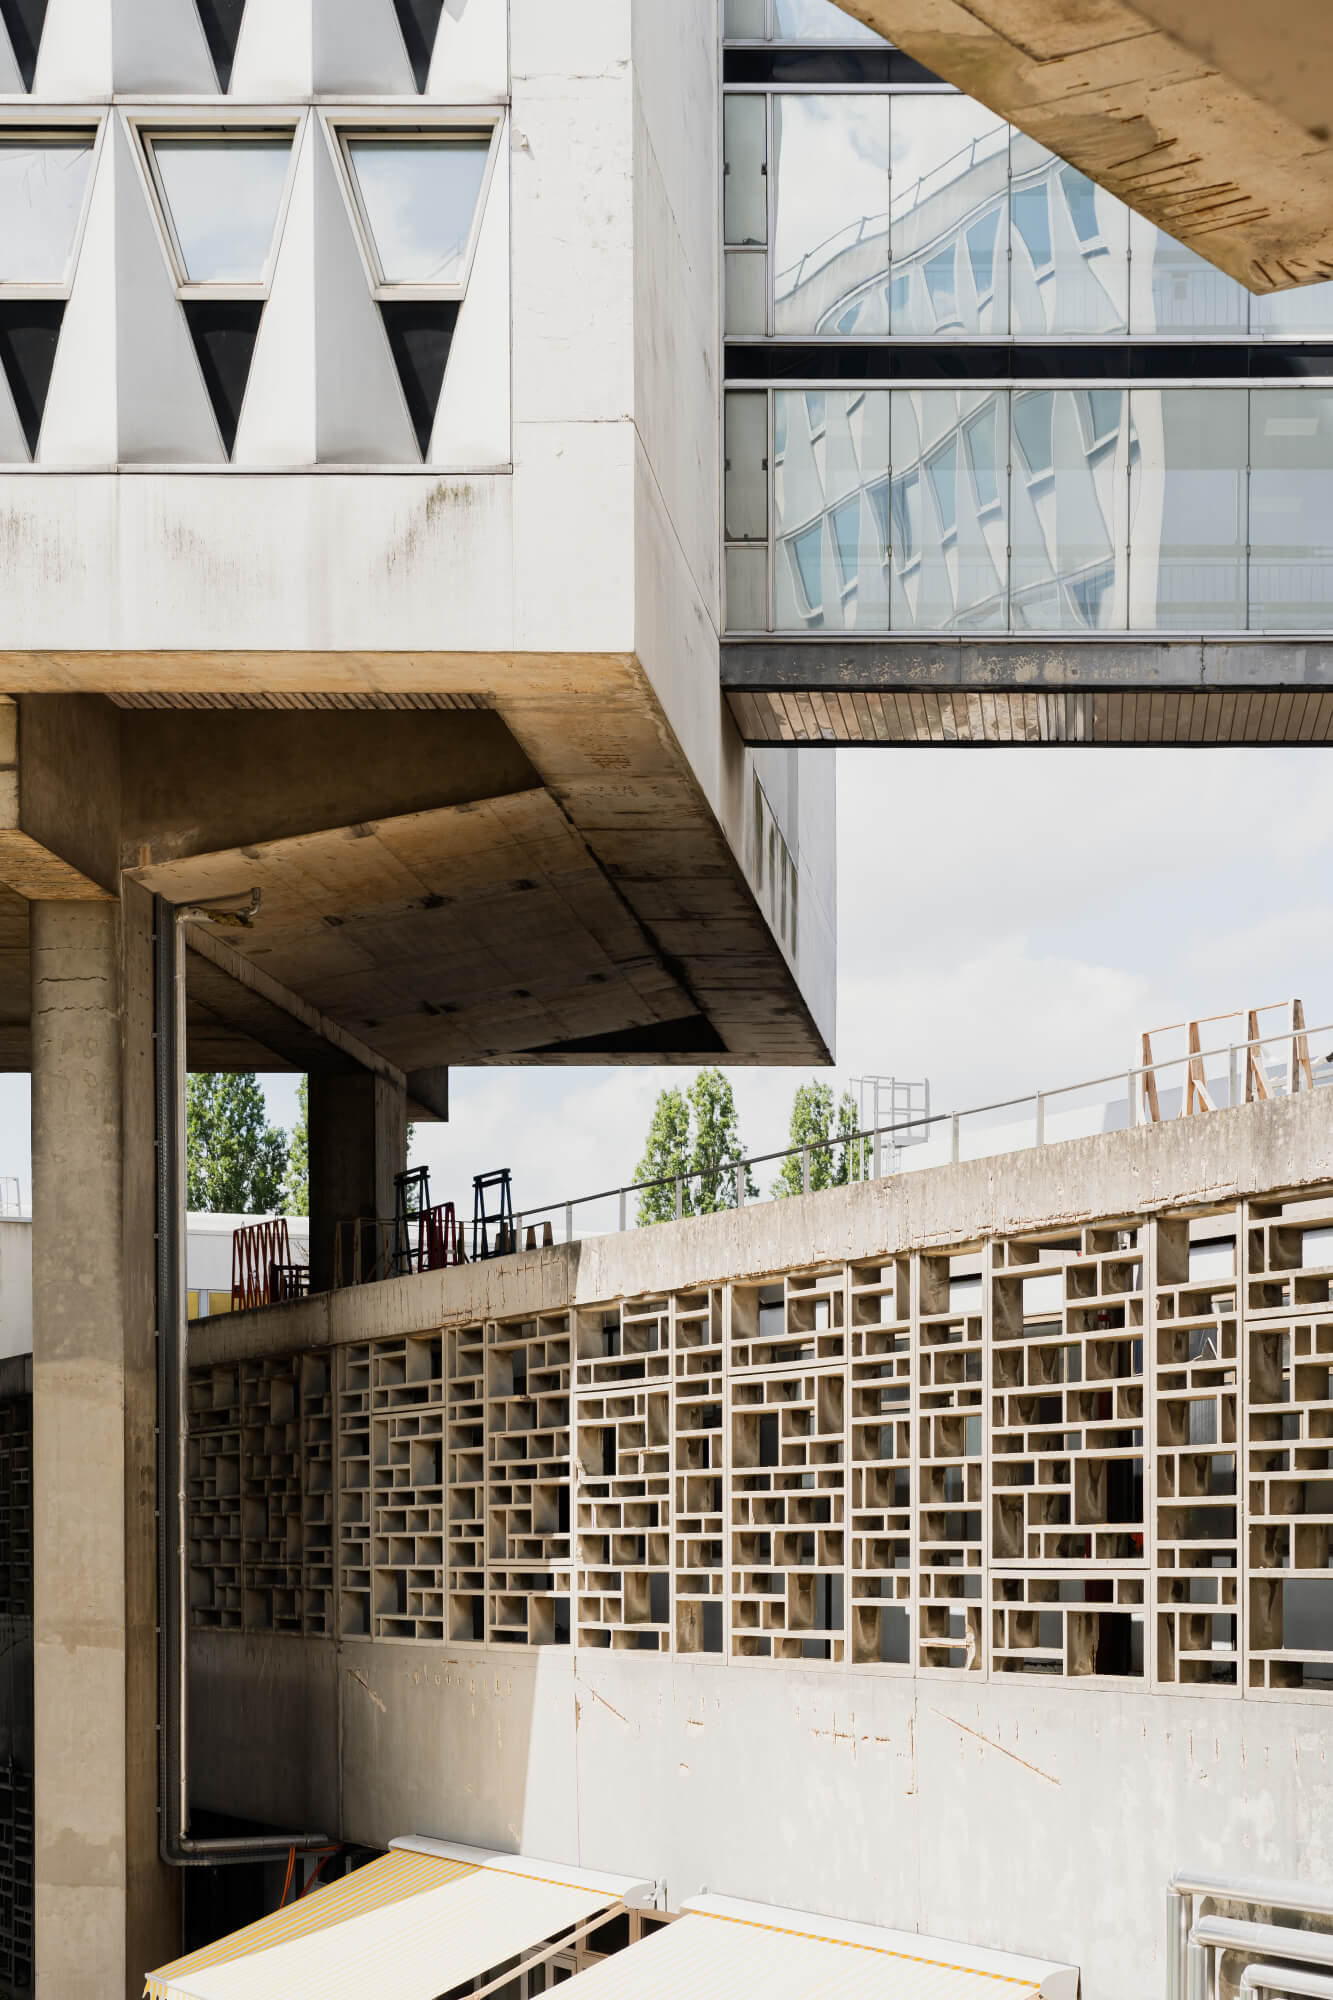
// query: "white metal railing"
[[10, 1197], [1191, 1939], [872, 1153]]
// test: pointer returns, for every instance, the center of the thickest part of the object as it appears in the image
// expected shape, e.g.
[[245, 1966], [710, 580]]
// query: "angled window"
[[220, 195], [417, 196], [221, 22], [45, 178], [23, 21]]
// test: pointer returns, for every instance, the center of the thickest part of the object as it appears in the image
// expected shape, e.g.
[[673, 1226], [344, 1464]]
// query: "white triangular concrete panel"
[[361, 414], [277, 424], [165, 416], [472, 422], [79, 426], [11, 78], [74, 59], [359, 48], [275, 50], [471, 56], [13, 444], [159, 45]]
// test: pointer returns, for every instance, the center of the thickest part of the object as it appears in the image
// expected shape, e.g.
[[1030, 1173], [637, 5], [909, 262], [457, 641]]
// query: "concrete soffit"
[[1207, 116]]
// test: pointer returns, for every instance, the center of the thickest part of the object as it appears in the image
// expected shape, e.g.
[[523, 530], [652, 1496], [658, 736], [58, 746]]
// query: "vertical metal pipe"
[[1176, 1939], [177, 1849], [569, 1222], [622, 1211], [953, 1140], [1041, 1118], [1198, 1981]]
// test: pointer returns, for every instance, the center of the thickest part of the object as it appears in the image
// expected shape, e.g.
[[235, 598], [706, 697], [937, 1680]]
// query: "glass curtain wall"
[[960, 491], [917, 214], [1075, 509]]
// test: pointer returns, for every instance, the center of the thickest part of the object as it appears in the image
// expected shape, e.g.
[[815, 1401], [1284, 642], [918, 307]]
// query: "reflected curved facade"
[[961, 485]]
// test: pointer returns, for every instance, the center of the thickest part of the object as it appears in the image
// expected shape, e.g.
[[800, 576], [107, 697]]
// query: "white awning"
[[737, 1950], [411, 1926]]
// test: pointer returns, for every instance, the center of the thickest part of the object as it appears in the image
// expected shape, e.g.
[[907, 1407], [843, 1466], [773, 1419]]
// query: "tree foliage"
[[694, 1133], [235, 1160], [717, 1144], [296, 1181], [826, 1128], [666, 1152]]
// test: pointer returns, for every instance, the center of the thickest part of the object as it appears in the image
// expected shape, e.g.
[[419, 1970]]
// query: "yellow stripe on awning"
[[705, 1955], [408, 1927]]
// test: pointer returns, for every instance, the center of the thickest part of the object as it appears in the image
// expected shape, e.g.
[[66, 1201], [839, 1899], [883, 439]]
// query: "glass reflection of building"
[[1005, 458]]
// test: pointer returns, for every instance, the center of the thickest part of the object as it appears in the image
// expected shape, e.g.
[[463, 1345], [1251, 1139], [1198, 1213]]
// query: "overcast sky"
[[1008, 919]]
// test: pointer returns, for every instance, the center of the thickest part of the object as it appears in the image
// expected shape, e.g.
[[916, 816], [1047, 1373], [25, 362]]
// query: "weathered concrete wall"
[[1037, 1816], [1031, 1818]]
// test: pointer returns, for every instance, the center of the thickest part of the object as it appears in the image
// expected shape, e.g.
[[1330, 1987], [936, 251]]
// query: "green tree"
[[666, 1152], [235, 1160], [836, 1157], [296, 1181], [855, 1156], [811, 1125], [694, 1133], [717, 1144]]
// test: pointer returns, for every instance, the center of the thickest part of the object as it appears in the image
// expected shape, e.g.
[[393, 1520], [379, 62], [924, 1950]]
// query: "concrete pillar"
[[358, 1142], [106, 1909]]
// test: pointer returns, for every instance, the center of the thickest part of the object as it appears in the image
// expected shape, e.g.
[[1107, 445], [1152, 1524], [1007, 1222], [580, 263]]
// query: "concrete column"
[[358, 1142], [106, 1909]]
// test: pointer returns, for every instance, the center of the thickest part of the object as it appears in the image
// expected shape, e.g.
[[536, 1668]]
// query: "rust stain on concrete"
[[361, 1680], [991, 1744]]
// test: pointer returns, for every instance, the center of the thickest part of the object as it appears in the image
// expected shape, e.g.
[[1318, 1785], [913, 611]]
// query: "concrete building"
[[373, 375], [1005, 461], [946, 1553], [359, 471]]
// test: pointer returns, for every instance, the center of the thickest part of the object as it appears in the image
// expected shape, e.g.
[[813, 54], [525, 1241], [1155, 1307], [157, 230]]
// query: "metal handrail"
[[1292, 1981], [871, 1141], [1310, 1899], [1213, 1935]]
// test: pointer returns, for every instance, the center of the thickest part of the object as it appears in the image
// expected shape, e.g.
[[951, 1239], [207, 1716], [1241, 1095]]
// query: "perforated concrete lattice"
[[1100, 1452]]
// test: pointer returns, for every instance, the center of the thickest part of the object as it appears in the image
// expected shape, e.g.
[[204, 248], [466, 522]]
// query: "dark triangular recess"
[[25, 20], [421, 332], [420, 23], [222, 30], [29, 333], [224, 333]]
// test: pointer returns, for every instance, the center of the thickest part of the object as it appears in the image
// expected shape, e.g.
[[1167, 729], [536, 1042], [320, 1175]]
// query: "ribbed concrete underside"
[[977, 717]]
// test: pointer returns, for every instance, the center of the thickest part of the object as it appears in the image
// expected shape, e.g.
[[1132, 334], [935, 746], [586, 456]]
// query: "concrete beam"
[[1207, 116], [963, 690], [45, 814], [197, 781]]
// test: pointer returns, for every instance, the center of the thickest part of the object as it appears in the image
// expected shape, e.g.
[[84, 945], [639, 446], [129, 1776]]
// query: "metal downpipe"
[[176, 1846]]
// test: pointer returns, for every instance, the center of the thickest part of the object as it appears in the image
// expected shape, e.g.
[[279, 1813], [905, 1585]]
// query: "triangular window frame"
[[345, 132], [403, 300], [215, 308], [38, 306]]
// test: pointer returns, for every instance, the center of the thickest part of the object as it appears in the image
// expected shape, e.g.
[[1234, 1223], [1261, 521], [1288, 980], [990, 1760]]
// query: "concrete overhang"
[[951, 690], [444, 877], [1210, 117]]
